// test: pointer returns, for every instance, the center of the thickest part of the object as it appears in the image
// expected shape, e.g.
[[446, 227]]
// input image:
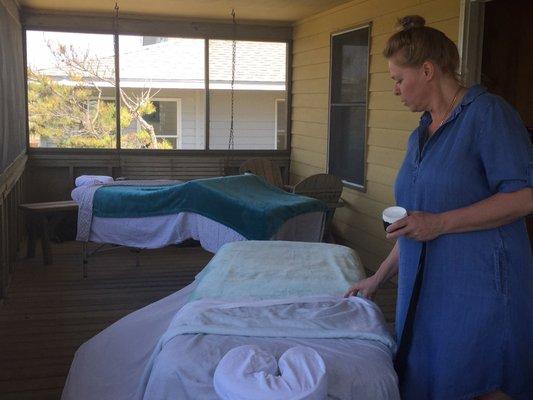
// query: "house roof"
[[179, 63]]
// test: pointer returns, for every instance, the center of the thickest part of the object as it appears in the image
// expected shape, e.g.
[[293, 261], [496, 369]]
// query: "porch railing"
[[12, 191]]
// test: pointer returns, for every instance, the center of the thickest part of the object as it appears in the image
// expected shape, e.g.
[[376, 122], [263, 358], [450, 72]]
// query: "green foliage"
[[164, 144], [125, 118], [137, 140], [74, 115], [146, 108], [103, 142]]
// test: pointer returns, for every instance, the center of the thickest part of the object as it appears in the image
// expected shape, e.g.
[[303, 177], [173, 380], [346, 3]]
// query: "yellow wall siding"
[[309, 128], [311, 158], [319, 55], [378, 64], [308, 143], [312, 71], [392, 119], [389, 123], [310, 86], [389, 138], [300, 170], [310, 100], [302, 114], [381, 174]]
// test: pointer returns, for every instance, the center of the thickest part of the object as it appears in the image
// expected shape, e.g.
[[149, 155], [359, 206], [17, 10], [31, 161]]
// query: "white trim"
[[177, 100], [199, 120], [276, 101]]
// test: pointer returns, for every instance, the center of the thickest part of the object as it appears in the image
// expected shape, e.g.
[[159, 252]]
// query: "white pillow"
[[248, 372], [87, 180], [261, 270]]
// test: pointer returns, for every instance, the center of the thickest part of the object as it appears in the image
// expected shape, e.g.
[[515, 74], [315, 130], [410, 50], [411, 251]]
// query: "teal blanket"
[[245, 203]]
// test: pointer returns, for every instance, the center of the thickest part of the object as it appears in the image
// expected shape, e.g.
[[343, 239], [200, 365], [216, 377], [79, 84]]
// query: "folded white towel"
[[87, 180], [247, 372]]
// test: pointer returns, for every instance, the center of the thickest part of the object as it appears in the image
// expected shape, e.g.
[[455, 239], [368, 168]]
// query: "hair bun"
[[411, 21]]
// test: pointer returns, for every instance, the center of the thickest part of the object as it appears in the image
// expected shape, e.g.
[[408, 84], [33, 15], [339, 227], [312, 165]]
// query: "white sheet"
[[110, 365], [160, 231], [164, 230], [311, 317]]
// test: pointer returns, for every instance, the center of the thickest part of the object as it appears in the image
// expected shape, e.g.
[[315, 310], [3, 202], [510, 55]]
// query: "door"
[[507, 59]]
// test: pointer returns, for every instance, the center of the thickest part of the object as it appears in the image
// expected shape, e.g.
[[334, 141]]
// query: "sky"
[[39, 55]]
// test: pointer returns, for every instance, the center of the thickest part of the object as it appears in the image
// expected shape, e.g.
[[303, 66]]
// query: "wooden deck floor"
[[51, 310]]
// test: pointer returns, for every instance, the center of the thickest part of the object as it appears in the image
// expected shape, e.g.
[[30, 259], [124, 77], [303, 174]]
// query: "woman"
[[464, 317]]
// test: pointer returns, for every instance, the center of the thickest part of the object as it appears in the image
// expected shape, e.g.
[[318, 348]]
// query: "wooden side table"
[[41, 219]]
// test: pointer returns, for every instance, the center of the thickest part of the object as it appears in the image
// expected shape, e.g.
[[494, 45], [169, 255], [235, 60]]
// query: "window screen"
[[348, 105], [260, 79]]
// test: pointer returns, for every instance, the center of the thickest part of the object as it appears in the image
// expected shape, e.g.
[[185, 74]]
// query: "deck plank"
[[51, 310]]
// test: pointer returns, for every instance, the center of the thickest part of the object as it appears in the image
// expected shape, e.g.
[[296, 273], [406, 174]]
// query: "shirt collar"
[[472, 93]]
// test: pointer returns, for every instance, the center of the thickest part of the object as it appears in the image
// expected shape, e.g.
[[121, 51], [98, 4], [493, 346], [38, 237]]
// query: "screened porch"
[[183, 91]]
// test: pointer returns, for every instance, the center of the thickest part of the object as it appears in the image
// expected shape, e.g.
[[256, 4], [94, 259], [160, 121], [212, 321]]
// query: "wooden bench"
[[41, 219]]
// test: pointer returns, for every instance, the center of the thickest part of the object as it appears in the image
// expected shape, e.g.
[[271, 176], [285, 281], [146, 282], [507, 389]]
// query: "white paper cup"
[[393, 214]]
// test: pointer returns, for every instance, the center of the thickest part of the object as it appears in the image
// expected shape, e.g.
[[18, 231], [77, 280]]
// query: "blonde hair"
[[416, 43]]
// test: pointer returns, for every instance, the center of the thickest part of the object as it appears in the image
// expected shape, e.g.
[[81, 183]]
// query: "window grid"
[[117, 57]]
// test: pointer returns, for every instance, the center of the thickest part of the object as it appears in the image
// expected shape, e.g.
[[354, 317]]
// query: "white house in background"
[[173, 69]]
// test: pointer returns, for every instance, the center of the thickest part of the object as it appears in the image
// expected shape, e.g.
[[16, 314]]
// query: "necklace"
[[451, 106]]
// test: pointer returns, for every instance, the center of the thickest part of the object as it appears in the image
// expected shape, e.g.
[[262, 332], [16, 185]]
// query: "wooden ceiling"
[[281, 11]]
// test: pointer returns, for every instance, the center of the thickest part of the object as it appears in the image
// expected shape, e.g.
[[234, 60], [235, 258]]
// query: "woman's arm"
[[497, 210], [389, 267], [369, 286], [492, 212]]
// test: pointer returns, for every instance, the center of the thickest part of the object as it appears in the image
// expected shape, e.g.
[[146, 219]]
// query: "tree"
[[75, 114]]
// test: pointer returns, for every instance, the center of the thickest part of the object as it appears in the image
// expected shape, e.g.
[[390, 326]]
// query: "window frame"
[[59, 22], [346, 183], [179, 130]]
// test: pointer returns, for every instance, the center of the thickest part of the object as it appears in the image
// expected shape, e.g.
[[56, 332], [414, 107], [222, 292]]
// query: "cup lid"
[[393, 214]]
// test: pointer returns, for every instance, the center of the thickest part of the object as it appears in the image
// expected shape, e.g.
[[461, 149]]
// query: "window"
[[68, 76], [163, 96], [260, 79], [164, 118], [348, 105], [162, 87]]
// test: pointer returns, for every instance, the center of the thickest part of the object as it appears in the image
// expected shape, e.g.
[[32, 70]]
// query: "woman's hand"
[[420, 226], [367, 287]]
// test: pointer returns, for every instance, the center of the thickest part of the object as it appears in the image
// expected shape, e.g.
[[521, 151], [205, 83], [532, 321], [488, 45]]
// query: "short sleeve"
[[505, 149]]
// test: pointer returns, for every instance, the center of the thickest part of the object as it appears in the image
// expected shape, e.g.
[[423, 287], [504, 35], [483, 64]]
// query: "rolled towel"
[[85, 180], [247, 372]]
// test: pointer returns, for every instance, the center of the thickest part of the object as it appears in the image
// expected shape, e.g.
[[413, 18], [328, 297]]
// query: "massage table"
[[302, 217], [158, 352]]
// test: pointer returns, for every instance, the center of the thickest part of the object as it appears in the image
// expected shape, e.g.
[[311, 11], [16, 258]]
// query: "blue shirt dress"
[[472, 325]]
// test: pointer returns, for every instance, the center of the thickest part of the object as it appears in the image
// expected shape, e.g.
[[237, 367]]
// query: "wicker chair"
[[327, 188], [265, 168]]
